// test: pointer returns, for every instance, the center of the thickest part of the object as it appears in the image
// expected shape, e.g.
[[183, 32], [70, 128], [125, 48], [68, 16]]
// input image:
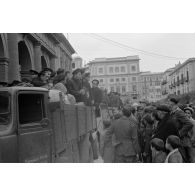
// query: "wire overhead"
[[126, 47]]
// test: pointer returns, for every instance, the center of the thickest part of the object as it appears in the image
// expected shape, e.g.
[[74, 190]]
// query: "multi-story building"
[[150, 86], [182, 78], [117, 74], [165, 84], [20, 52]]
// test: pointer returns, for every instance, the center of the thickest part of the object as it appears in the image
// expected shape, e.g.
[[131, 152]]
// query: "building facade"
[[165, 84], [117, 74], [20, 52], [150, 86], [182, 79]]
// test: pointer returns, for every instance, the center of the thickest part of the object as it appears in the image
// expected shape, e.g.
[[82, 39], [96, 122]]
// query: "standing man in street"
[[125, 140], [97, 96]]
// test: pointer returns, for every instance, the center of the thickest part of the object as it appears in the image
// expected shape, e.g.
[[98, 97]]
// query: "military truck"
[[33, 129]]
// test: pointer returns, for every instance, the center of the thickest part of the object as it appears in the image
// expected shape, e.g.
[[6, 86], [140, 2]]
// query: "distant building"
[[117, 74], [150, 86], [182, 78], [165, 84], [77, 62]]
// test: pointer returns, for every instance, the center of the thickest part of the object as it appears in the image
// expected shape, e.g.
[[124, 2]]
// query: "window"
[[117, 80], [5, 113], [117, 69], [123, 79], [133, 69], [122, 69], [101, 80], [123, 89], [111, 80], [133, 78], [73, 65], [100, 70], [134, 88], [118, 89], [111, 70], [31, 108]]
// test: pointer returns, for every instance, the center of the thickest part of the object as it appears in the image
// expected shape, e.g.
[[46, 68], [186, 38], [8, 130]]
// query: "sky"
[[178, 45]]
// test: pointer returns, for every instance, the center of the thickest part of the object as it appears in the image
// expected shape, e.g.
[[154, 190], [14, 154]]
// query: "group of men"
[[151, 133], [76, 83]]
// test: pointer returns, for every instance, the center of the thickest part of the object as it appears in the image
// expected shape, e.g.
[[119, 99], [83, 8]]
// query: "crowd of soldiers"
[[75, 86], [150, 133]]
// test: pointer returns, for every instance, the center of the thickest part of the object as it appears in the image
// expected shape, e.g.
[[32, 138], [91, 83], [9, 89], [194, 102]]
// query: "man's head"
[[87, 76], [77, 74], [95, 83], [172, 142], [33, 74], [162, 110], [60, 71], [157, 145], [173, 102], [44, 75], [189, 111], [68, 75], [106, 124], [126, 112]]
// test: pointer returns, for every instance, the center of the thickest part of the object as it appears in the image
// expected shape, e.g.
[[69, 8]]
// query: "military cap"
[[163, 108]]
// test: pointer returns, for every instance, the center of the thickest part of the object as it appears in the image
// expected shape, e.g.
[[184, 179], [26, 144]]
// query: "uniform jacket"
[[125, 135]]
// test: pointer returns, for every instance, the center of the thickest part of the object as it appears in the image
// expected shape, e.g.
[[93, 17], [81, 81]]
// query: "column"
[[3, 69], [52, 63], [13, 68], [37, 56]]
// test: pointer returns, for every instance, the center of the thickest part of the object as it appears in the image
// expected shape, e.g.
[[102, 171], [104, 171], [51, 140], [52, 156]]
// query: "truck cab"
[[25, 129]]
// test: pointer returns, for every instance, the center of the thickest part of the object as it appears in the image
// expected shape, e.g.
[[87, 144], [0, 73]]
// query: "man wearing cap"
[[167, 125], [75, 86], [97, 96], [184, 127]]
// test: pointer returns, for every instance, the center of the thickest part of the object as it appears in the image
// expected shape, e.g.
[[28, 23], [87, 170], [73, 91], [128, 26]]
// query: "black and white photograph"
[[97, 97], [94, 98]]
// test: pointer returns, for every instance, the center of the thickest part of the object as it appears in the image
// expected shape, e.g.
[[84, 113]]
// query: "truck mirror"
[[45, 122]]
